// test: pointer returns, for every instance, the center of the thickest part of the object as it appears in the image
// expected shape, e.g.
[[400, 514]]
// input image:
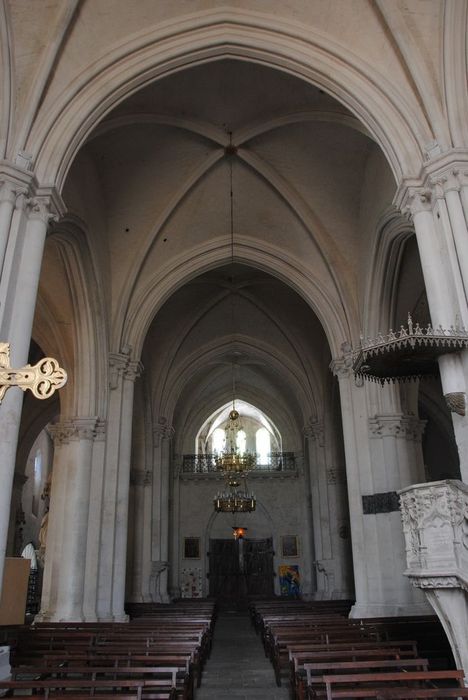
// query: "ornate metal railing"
[[206, 464]]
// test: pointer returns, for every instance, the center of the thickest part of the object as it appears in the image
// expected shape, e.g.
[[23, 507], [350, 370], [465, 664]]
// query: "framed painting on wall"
[[191, 548], [289, 546]]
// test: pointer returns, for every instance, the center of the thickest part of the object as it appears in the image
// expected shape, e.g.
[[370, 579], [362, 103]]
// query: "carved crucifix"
[[42, 379]]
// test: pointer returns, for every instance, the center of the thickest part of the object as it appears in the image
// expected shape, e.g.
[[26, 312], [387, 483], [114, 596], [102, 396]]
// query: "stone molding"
[[399, 426], [428, 582], [435, 525]]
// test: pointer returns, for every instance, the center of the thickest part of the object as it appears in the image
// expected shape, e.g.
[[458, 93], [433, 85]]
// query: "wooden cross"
[[42, 379]]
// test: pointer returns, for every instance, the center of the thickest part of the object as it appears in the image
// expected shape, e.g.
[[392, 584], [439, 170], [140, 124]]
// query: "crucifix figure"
[[42, 379]]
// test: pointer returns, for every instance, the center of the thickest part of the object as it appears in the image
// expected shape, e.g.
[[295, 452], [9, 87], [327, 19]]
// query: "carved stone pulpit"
[[435, 525]]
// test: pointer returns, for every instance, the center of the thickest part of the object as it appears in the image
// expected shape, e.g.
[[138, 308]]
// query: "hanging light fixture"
[[234, 464], [239, 532]]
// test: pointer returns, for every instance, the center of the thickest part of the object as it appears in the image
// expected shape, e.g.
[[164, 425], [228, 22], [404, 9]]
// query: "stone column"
[[114, 524], [448, 183], [378, 558], [162, 436], [441, 233], [18, 289], [66, 548]]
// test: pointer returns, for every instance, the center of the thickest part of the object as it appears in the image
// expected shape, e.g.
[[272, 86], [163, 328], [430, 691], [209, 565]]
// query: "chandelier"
[[232, 462], [235, 466]]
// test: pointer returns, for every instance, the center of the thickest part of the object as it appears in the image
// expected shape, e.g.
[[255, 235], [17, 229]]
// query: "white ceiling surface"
[[152, 184]]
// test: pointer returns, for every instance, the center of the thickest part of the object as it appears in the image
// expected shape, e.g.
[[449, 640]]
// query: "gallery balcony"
[[276, 463]]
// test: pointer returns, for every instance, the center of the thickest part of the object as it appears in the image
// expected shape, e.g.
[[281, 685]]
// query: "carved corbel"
[[456, 402]]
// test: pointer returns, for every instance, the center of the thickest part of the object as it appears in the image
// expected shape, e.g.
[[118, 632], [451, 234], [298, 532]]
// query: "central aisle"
[[238, 667]]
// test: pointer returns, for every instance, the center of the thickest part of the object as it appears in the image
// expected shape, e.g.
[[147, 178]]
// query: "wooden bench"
[[379, 685]]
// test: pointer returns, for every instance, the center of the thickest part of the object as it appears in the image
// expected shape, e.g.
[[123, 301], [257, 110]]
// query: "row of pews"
[[159, 655], [327, 655]]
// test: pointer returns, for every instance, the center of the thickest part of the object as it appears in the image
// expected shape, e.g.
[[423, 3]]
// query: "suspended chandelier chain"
[[234, 465], [233, 387], [231, 197]]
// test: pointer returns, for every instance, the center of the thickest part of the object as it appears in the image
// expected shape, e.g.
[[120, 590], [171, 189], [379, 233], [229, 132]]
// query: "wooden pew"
[[80, 688], [298, 659], [155, 676], [380, 685], [316, 671]]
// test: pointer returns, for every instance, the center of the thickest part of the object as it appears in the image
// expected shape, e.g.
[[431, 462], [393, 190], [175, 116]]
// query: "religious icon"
[[290, 580], [191, 548], [289, 546]]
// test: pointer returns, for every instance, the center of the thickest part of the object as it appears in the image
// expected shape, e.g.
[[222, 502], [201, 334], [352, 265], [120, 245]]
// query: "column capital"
[[449, 180], [398, 425], [314, 431], [342, 367], [118, 363], [101, 427], [336, 475], [141, 478], [45, 204], [72, 429], [162, 431], [9, 191], [133, 370], [417, 200]]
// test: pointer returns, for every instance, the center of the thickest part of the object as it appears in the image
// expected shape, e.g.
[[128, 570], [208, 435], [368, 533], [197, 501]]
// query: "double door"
[[240, 569]]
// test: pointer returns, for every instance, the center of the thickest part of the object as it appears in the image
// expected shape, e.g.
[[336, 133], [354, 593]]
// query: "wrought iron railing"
[[206, 464]]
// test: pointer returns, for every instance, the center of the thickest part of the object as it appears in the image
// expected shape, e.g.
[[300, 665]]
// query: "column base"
[[363, 610], [121, 618]]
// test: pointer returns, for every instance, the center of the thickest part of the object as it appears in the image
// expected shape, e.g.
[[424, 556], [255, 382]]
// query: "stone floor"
[[237, 667]]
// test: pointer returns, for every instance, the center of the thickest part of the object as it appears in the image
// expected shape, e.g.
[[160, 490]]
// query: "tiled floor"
[[237, 667]]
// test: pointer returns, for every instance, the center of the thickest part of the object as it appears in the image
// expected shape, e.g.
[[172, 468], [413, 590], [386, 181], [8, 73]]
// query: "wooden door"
[[240, 568]]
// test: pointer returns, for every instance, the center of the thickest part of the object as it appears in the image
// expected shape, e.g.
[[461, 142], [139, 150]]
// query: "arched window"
[[263, 446], [218, 440], [241, 441]]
